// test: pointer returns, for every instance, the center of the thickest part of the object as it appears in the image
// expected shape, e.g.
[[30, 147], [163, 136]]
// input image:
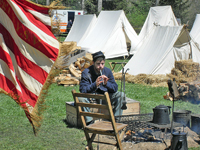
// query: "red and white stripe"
[[28, 49]]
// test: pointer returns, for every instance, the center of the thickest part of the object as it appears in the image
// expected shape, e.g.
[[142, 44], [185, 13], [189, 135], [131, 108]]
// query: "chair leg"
[[119, 137], [89, 140], [92, 137], [119, 145], [89, 145], [122, 134]]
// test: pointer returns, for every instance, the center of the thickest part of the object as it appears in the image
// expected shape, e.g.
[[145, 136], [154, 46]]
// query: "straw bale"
[[188, 68], [117, 75], [156, 79], [128, 76], [140, 78], [161, 84], [147, 79], [186, 65], [176, 72], [130, 79]]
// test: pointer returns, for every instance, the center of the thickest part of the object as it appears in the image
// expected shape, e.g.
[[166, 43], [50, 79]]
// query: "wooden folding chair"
[[106, 124]]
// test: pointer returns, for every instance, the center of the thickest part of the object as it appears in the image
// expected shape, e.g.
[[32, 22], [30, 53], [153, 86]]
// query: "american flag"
[[28, 50]]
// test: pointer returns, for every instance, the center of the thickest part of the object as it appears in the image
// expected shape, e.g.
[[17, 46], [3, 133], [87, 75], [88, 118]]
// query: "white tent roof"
[[195, 31], [81, 27], [110, 33], [161, 49], [159, 15]]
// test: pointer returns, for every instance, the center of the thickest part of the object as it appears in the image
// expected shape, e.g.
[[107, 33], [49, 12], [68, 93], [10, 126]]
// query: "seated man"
[[99, 79]]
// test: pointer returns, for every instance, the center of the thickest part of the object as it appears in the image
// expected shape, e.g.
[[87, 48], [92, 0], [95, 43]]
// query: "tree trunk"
[[157, 2], [83, 4], [99, 5], [47, 2]]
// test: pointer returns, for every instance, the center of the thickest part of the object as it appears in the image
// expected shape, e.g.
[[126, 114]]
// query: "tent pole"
[[190, 55]]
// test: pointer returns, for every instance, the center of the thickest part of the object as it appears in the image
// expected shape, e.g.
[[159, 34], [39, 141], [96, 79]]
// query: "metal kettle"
[[179, 141], [161, 114]]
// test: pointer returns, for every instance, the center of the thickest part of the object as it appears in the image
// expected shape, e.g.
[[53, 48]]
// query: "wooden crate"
[[71, 115], [133, 107]]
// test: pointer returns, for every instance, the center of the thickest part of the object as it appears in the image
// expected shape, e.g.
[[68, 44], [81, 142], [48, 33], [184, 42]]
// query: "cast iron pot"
[[161, 114], [179, 141], [195, 123], [183, 117]]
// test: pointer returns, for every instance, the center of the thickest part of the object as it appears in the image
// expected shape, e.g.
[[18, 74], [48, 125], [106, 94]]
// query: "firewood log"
[[81, 60], [86, 65], [69, 81], [74, 71], [88, 59], [65, 71], [77, 64]]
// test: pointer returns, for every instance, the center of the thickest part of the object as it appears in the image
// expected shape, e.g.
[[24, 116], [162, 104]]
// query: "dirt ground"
[[193, 140]]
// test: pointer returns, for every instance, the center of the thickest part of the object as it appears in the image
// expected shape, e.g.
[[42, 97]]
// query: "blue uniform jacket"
[[88, 81]]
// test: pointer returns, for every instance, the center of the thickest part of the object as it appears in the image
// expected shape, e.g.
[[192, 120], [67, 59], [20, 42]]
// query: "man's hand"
[[101, 79], [105, 79]]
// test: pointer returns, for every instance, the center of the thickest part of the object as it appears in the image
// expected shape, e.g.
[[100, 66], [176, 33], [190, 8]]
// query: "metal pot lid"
[[161, 107], [179, 133], [183, 111]]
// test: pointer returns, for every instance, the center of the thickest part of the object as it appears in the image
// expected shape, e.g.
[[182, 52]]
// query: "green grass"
[[62, 37], [16, 131]]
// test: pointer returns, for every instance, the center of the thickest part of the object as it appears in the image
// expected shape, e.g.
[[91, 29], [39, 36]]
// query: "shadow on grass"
[[71, 125]]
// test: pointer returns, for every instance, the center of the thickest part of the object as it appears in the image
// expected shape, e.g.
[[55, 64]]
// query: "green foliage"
[[41, 2], [120, 4], [138, 12], [91, 6], [180, 8], [72, 4]]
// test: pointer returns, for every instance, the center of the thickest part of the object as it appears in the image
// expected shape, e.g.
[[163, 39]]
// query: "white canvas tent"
[[159, 15], [110, 34], [195, 35], [81, 27], [195, 31], [161, 49]]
